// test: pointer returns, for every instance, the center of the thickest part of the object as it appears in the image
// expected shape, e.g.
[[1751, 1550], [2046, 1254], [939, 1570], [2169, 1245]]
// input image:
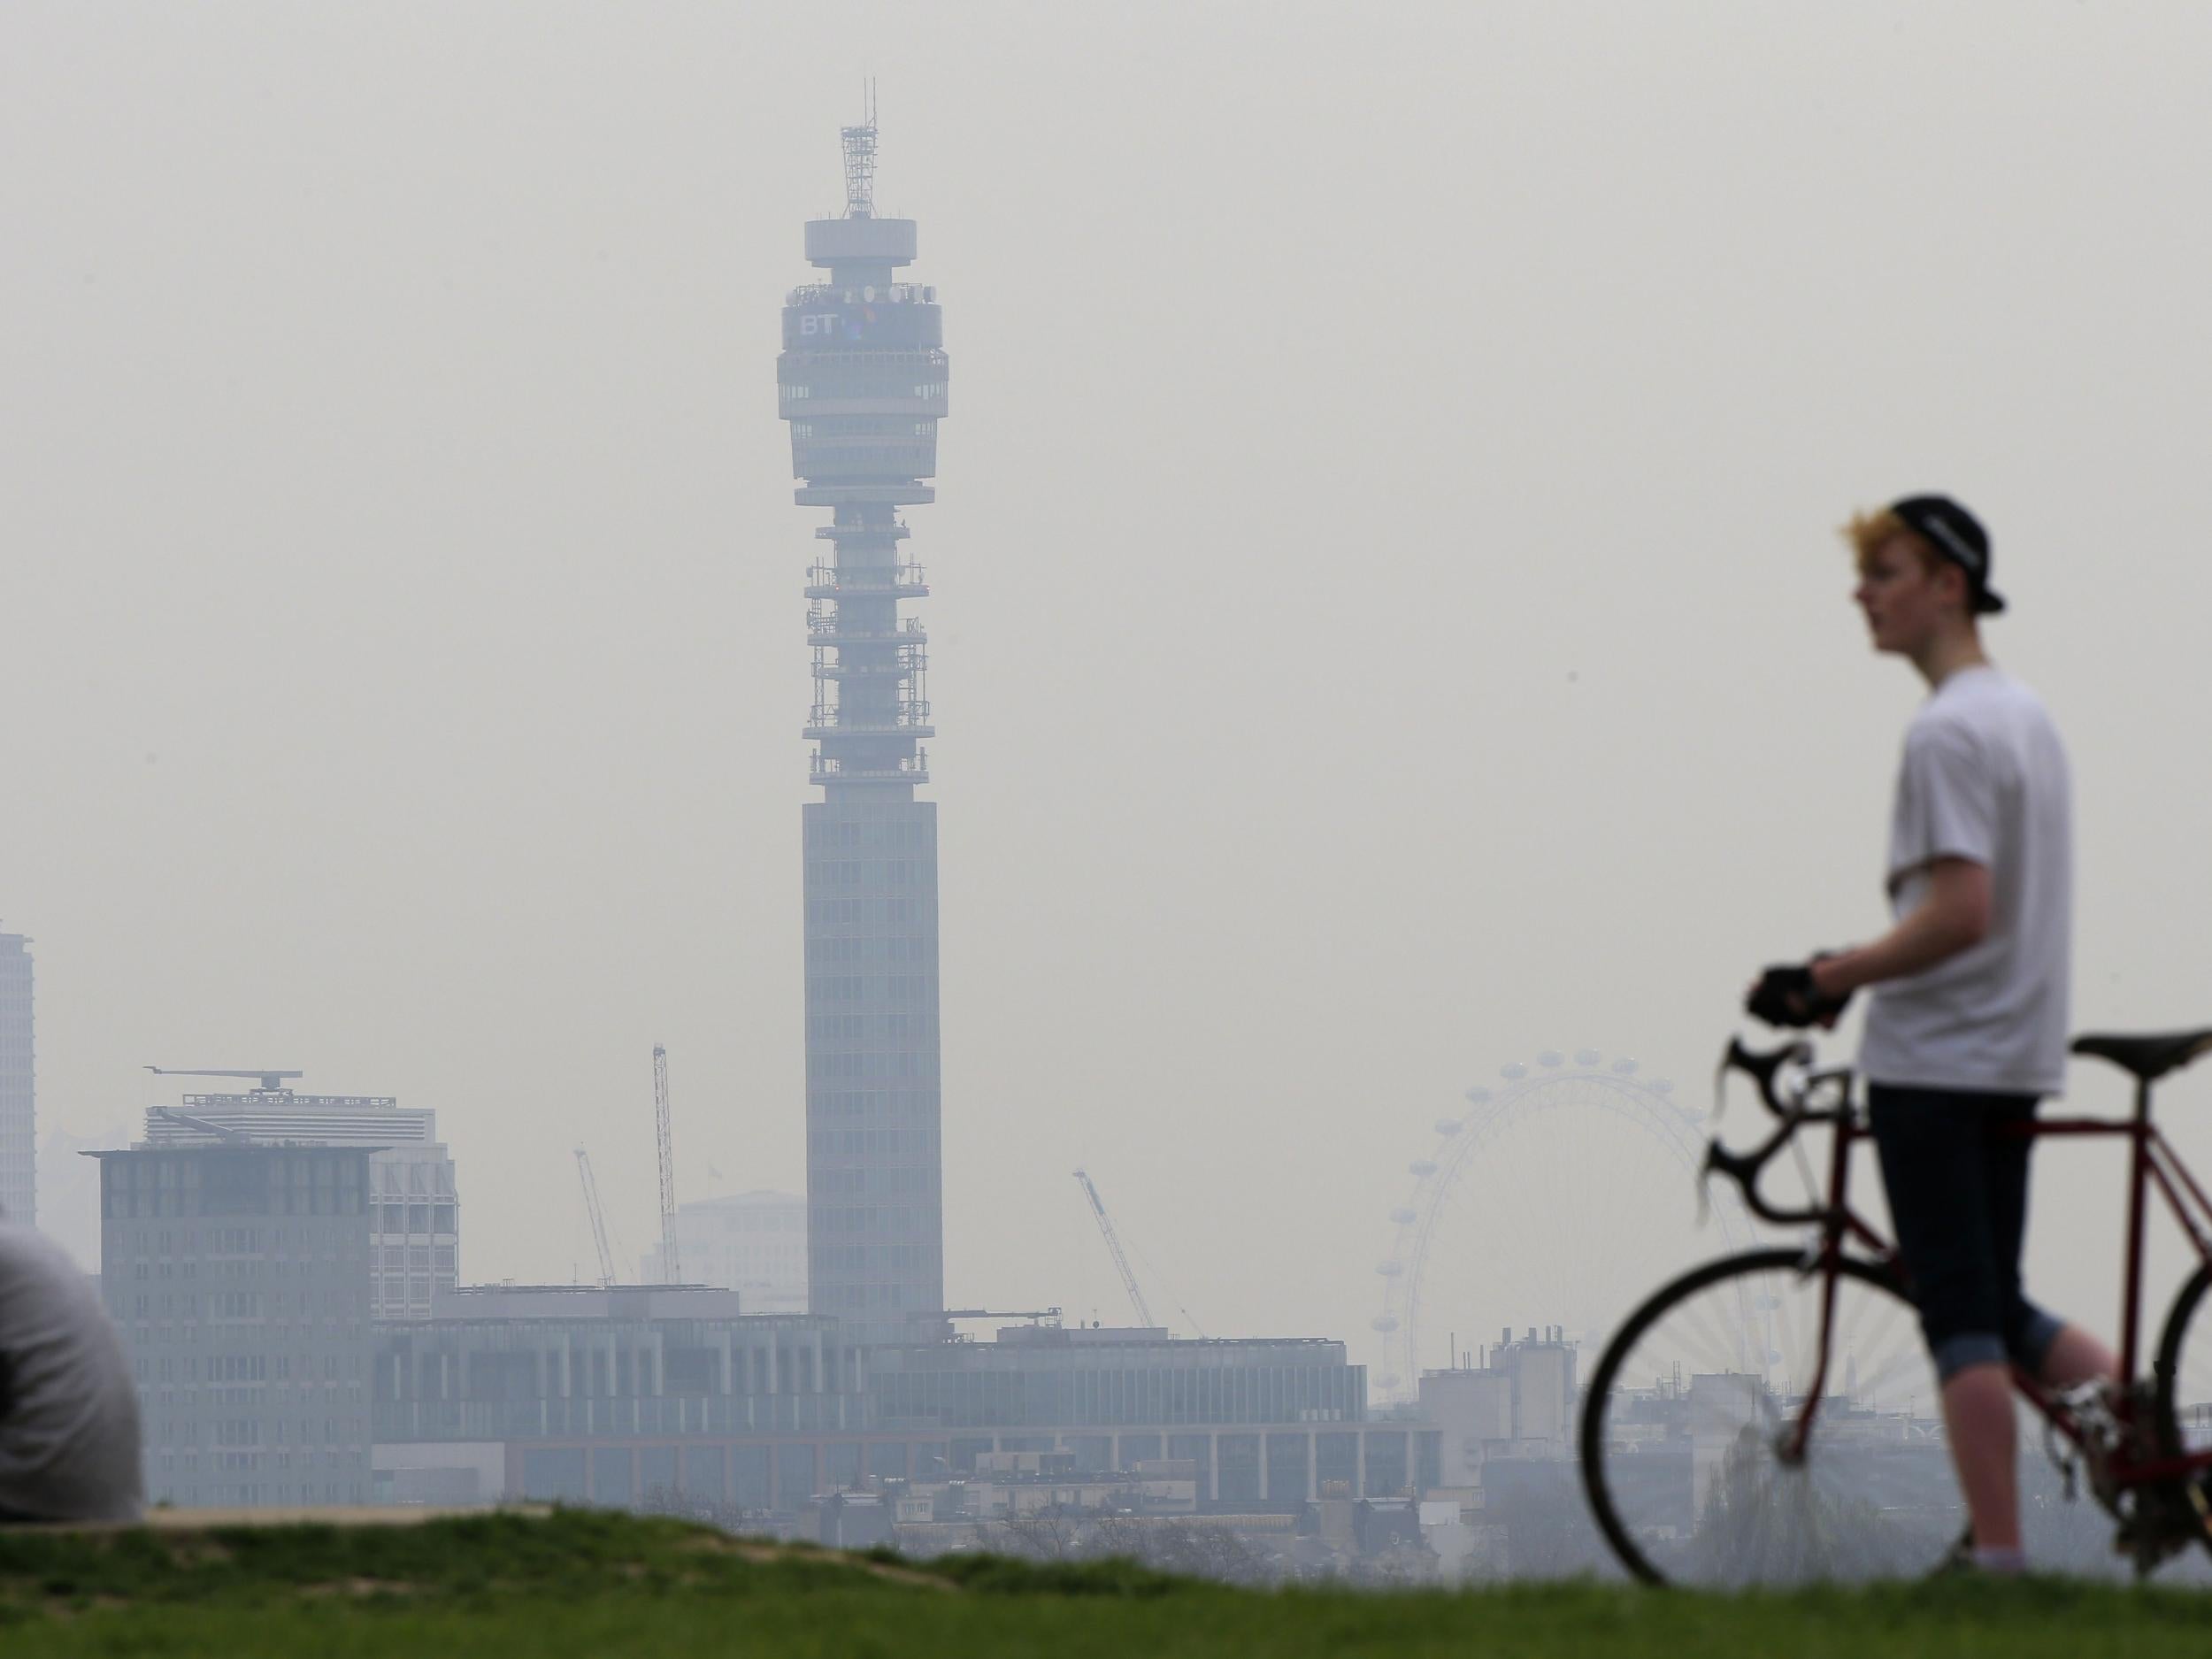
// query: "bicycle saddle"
[[2149, 1056]]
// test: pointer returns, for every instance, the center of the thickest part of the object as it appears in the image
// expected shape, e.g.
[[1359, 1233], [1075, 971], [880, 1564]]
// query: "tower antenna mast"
[[860, 161]]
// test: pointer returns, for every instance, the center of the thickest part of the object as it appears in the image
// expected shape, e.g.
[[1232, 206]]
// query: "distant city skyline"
[[1377, 630]]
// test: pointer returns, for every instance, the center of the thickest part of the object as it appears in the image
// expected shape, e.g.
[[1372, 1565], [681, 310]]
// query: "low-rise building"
[[626, 1395], [1270, 1421], [1518, 1404], [676, 1397]]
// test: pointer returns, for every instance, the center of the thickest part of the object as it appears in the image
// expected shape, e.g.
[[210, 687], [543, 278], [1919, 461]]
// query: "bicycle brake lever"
[[1735, 1165], [1762, 1068]]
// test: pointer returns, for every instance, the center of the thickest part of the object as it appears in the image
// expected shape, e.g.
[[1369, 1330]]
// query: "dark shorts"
[[1957, 1170]]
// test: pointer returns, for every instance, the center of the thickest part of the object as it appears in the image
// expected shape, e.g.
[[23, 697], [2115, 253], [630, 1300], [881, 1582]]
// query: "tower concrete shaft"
[[861, 381]]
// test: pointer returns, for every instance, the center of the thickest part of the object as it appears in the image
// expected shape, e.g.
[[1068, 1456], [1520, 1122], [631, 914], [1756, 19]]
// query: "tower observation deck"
[[861, 381]]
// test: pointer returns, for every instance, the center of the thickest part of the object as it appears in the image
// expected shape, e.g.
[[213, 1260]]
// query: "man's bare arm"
[[1953, 915]]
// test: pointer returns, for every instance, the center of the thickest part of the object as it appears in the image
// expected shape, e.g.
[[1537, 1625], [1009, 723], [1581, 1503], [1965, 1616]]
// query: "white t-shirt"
[[1984, 778]]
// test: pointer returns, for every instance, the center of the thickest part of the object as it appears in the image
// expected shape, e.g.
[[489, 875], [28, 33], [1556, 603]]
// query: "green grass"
[[582, 1583]]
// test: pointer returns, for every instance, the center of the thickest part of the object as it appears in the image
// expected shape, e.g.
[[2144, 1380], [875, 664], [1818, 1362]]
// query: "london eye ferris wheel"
[[1555, 1196]]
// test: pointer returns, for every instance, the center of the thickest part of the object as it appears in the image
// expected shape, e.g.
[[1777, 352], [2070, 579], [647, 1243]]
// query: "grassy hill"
[[583, 1583]]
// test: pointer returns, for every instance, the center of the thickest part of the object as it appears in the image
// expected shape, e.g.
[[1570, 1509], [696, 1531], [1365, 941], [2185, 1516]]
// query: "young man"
[[1968, 1024]]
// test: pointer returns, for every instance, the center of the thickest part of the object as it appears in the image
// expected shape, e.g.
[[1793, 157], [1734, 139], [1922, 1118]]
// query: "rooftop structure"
[[862, 382]]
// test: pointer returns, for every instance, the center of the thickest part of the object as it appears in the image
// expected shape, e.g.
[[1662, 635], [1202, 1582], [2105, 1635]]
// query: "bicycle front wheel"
[[1726, 1445]]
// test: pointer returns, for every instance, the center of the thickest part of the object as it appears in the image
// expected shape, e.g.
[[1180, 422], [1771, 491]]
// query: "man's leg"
[[1977, 1414], [2058, 1355], [1931, 1144], [2075, 1356], [1977, 1400]]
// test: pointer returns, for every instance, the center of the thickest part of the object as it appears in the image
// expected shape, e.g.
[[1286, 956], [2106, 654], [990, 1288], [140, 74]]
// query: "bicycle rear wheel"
[[1689, 1419], [2184, 1381]]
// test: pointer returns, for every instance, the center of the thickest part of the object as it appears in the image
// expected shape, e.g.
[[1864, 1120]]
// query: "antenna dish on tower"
[[860, 162]]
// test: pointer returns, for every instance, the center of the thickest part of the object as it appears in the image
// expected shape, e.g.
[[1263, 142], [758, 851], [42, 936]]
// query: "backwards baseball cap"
[[1957, 535]]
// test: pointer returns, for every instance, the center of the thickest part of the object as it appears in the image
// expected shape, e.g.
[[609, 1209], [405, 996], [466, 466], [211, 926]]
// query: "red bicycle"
[[1773, 1418]]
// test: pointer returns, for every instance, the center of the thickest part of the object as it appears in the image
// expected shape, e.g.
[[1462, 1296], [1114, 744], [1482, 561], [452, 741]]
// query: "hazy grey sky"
[[1388, 619]]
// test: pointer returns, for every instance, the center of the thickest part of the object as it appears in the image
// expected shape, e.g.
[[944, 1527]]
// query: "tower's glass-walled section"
[[874, 1210]]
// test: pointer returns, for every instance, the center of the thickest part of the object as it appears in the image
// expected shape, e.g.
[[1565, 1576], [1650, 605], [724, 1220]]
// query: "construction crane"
[[221, 1132], [598, 1221], [671, 1269], [1113, 1245], [271, 1082]]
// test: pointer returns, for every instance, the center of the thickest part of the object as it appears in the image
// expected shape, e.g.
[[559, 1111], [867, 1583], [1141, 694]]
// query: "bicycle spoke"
[[2192, 1392], [1722, 1350]]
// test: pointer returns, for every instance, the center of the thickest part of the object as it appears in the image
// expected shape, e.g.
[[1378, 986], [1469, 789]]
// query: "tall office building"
[[861, 381], [239, 1277], [18, 1085], [414, 1206]]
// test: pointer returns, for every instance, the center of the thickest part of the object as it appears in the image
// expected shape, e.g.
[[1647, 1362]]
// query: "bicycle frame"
[[2153, 1164]]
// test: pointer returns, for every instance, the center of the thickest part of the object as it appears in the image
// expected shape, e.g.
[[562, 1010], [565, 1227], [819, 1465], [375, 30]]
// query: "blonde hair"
[[1870, 532]]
